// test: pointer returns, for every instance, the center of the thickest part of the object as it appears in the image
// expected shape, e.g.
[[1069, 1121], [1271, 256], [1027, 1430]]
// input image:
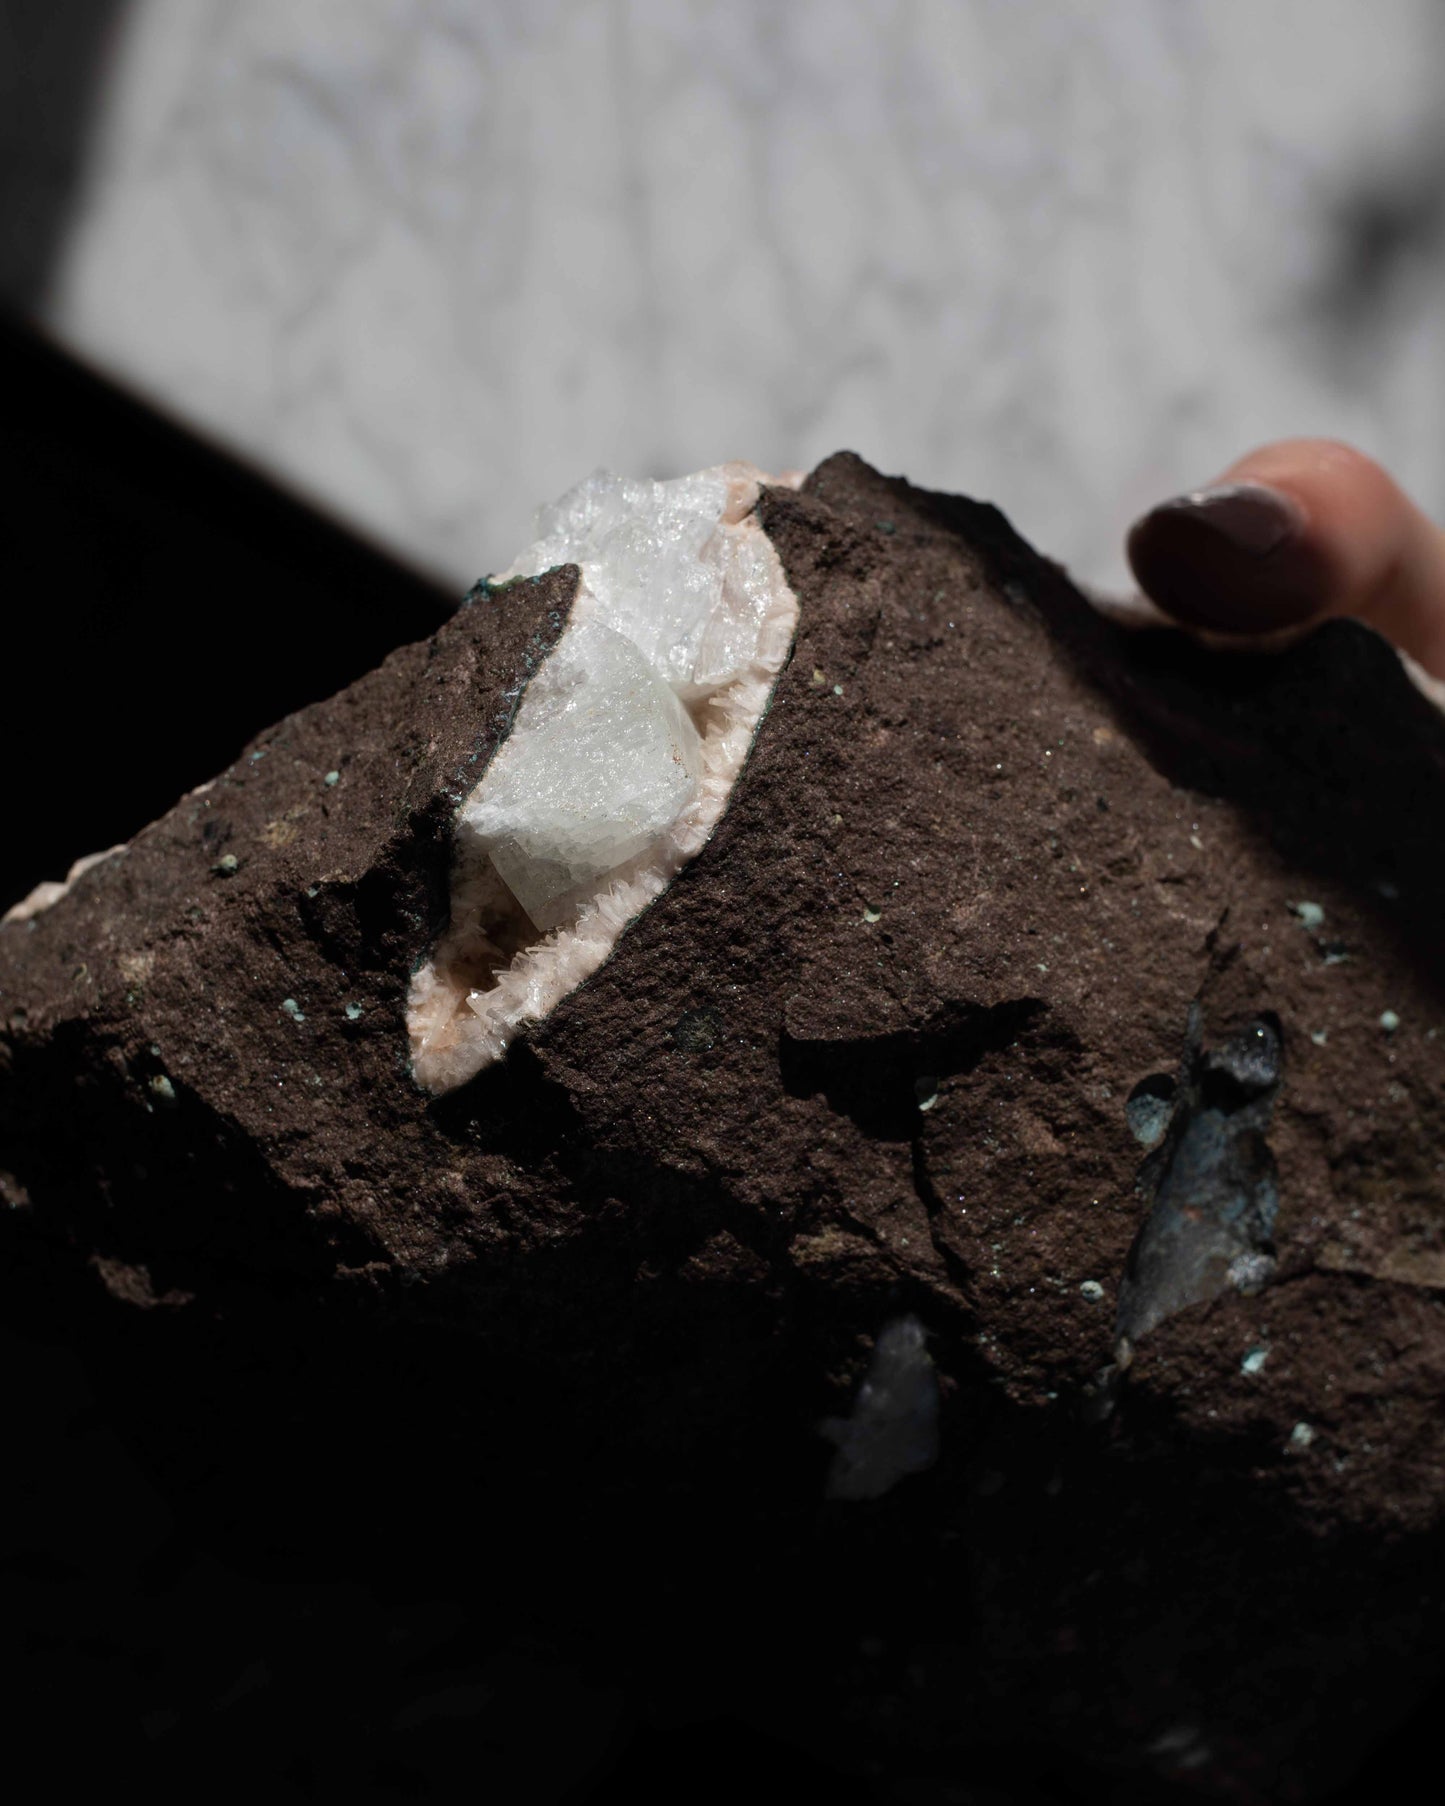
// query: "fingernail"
[[1234, 557], [1249, 516]]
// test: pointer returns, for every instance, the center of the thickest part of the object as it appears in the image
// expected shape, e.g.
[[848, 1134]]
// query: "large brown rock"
[[870, 1053]]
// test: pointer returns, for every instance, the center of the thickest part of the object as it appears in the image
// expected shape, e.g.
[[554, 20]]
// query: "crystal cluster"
[[625, 746]]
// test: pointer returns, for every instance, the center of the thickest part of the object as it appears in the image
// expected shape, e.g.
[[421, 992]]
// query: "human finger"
[[1297, 532]]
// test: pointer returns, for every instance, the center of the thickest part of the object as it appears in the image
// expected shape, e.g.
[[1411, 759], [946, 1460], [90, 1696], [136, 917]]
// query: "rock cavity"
[[1212, 1177], [625, 747]]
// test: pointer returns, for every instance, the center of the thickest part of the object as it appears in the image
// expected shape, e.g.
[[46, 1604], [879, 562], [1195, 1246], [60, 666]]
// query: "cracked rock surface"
[[871, 1052]]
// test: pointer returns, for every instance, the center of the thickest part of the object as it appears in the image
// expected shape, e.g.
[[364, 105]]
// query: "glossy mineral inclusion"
[[624, 749]]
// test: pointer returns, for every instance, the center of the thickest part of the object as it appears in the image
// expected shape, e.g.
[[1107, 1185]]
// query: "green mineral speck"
[[1092, 1290], [353, 1012], [226, 866], [697, 1031], [1149, 1108], [1301, 1436], [1310, 914], [162, 1089], [291, 1008], [870, 914], [1254, 1361], [925, 1091], [331, 779], [1389, 1021]]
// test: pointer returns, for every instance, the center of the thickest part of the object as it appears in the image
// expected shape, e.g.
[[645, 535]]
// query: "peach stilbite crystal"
[[48, 893], [619, 765]]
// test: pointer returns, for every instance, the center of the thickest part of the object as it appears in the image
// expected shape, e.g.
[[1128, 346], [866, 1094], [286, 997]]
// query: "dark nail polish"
[[1234, 558], [1250, 516]]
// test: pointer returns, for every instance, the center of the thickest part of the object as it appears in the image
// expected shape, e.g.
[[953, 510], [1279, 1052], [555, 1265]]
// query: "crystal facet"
[[606, 760]]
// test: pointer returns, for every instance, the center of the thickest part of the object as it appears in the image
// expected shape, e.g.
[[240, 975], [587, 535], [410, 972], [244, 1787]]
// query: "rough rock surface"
[[870, 1053]]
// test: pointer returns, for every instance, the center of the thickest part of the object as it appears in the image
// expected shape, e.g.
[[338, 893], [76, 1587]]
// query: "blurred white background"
[[430, 261]]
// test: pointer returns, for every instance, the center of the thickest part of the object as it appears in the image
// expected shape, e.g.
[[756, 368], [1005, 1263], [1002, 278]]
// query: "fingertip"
[[1237, 557]]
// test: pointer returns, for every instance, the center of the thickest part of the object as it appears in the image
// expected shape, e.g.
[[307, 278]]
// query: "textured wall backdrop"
[[431, 261]]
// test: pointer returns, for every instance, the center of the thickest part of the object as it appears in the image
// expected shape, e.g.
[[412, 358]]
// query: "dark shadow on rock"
[[1327, 748], [330, 1554], [236, 1236], [882, 1081]]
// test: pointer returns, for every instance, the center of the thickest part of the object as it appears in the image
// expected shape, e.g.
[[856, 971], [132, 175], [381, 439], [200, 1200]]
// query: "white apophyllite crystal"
[[664, 564], [606, 760], [893, 1428], [625, 747]]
